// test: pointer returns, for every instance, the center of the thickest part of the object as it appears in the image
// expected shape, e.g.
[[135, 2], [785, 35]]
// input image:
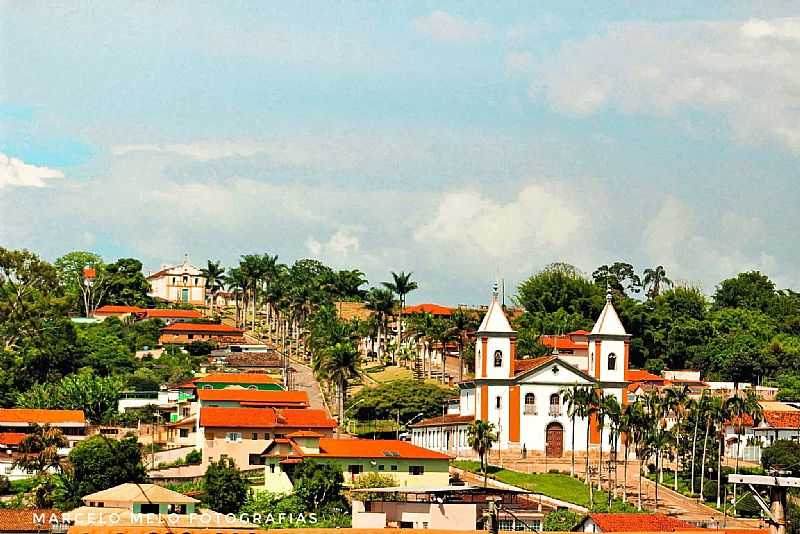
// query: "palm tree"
[[654, 279], [481, 437], [587, 407], [461, 323], [402, 285], [39, 450], [381, 302], [215, 278], [741, 408], [613, 412], [675, 400], [711, 413], [695, 409], [339, 364], [639, 423], [572, 398], [236, 281], [626, 422]]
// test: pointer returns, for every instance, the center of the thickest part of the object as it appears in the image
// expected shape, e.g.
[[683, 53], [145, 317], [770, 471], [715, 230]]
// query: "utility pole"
[[778, 486]]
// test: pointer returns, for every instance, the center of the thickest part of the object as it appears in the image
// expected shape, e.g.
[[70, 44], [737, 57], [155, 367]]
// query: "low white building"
[[182, 283]]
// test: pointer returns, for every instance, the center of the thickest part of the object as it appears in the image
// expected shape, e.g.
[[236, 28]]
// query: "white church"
[[522, 397]]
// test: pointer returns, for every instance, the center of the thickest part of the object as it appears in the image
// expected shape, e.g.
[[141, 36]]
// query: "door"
[[185, 295], [554, 447]]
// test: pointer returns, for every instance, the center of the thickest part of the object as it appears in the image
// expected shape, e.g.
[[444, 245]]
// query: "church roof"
[[608, 323], [495, 320]]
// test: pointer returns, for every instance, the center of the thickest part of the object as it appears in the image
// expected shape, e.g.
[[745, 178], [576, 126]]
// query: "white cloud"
[[747, 72], [16, 173], [340, 245], [444, 27], [540, 216]]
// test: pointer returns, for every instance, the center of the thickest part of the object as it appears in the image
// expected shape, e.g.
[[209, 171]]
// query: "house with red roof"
[[31, 520], [243, 433], [170, 316], [632, 522], [410, 465], [185, 333], [120, 312], [746, 438]]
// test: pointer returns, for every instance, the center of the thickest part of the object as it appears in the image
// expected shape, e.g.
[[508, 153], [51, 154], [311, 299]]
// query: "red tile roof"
[[783, 419], [110, 310], [254, 395], [39, 416], [265, 418], [450, 419], [579, 333], [201, 327], [640, 375], [237, 378], [433, 309], [304, 434], [375, 448], [178, 314], [24, 520], [11, 438], [522, 366], [563, 342], [633, 522]]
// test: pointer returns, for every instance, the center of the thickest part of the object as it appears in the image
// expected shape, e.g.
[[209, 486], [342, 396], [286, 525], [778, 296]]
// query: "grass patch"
[[555, 485], [390, 373]]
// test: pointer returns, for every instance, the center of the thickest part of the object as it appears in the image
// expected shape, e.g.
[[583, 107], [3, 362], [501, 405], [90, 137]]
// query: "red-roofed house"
[[632, 522], [410, 465], [573, 348], [172, 316], [779, 421], [185, 333], [243, 433], [252, 398], [433, 309], [118, 311], [30, 520]]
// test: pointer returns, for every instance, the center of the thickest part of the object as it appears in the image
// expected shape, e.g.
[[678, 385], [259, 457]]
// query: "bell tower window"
[[612, 361], [498, 358]]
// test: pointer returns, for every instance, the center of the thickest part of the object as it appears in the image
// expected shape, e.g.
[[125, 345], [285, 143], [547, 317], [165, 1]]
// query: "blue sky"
[[458, 140]]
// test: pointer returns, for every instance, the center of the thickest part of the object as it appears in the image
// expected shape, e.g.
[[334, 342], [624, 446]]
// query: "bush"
[[200, 348], [710, 491], [195, 457], [783, 454], [5, 485], [748, 507], [224, 486], [560, 521]]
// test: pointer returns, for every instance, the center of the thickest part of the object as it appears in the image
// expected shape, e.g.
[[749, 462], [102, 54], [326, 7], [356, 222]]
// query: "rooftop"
[[139, 493], [369, 448], [254, 395], [111, 309], [41, 416], [236, 378], [181, 314], [495, 320], [634, 522], [11, 438], [433, 309], [27, 519], [608, 323], [202, 327], [264, 418], [450, 419]]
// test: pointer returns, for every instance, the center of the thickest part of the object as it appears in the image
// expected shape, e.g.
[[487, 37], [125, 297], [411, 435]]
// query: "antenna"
[[503, 285]]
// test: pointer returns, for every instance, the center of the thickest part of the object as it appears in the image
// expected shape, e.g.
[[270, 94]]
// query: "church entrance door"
[[554, 447]]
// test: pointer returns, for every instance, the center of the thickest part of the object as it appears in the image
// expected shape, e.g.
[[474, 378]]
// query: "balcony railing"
[[555, 411]]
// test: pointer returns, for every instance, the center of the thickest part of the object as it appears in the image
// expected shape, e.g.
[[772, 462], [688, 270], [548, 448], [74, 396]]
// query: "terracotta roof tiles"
[[41, 416], [265, 418], [633, 522]]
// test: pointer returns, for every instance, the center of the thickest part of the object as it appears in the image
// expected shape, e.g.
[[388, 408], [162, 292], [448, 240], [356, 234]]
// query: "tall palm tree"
[[740, 408], [381, 302], [402, 285], [214, 274], [695, 409], [236, 281], [587, 407], [613, 413], [340, 364], [640, 422], [675, 400], [654, 279], [39, 450], [572, 399], [461, 323], [711, 414], [627, 421], [481, 436]]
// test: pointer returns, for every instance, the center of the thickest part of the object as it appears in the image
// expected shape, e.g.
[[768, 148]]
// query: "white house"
[[182, 283], [522, 397]]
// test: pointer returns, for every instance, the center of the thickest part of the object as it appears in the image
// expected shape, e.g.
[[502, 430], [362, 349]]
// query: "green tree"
[[224, 486], [341, 363], [561, 287], [562, 520], [99, 463], [751, 290], [402, 285], [782, 455], [214, 274], [82, 293], [318, 484], [654, 279], [39, 450], [380, 301], [404, 397], [126, 283], [619, 277], [481, 437]]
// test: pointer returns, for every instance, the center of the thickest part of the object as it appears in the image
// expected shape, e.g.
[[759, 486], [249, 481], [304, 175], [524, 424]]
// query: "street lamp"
[[342, 415], [405, 425]]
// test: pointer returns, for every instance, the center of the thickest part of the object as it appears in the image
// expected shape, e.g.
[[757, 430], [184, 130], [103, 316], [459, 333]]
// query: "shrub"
[[560, 521], [5, 485], [194, 457]]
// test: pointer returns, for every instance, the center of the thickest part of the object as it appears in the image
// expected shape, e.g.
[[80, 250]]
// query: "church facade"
[[523, 398]]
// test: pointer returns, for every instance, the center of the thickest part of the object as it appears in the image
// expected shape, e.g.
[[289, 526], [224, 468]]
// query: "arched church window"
[[612, 361], [555, 404], [498, 358], [185, 280], [530, 404]]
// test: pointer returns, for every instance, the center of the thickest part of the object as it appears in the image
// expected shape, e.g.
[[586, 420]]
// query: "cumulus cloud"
[[444, 27], [539, 217], [16, 173], [748, 72], [340, 245]]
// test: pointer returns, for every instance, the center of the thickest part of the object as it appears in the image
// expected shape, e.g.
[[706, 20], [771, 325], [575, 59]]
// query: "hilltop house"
[[182, 283], [523, 398], [410, 465]]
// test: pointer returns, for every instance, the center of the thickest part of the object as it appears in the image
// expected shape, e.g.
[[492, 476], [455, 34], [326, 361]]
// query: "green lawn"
[[390, 373], [555, 485]]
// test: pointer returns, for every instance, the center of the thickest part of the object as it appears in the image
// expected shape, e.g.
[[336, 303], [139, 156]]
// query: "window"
[[254, 435], [530, 404], [355, 469], [176, 509], [498, 402], [196, 282], [255, 459], [555, 404], [252, 387], [271, 468], [416, 469], [184, 432], [394, 468], [185, 280], [234, 436], [266, 435], [149, 508], [506, 524], [498, 358], [381, 467], [612, 361]]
